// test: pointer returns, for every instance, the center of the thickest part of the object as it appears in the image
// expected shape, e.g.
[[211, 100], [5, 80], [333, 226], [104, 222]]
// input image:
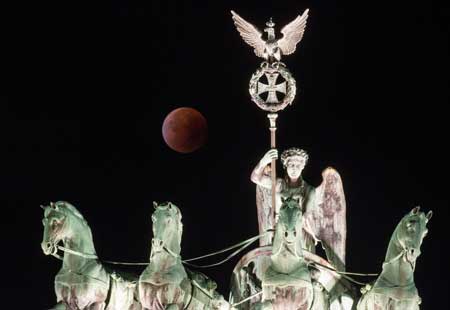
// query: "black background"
[[86, 87]]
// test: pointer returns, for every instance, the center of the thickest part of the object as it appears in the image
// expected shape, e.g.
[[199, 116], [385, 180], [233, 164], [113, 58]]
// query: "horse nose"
[[413, 253], [290, 235], [46, 247], [157, 242]]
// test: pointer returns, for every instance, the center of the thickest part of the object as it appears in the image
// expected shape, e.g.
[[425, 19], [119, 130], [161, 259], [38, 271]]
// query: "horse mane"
[[69, 207], [289, 203], [169, 205]]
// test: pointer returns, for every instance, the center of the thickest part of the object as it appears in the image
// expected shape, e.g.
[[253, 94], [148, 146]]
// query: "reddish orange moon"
[[185, 130]]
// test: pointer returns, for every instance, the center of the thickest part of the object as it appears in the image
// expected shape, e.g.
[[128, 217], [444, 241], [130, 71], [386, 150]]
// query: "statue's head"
[[294, 160]]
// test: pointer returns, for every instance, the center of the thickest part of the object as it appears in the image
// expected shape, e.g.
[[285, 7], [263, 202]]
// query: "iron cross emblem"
[[272, 88]]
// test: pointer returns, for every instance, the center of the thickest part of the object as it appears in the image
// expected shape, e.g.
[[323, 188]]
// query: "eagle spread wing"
[[329, 217], [251, 35], [292, 34]]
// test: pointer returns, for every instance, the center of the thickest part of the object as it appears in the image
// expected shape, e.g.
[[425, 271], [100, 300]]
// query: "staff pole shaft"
[[273, 128]]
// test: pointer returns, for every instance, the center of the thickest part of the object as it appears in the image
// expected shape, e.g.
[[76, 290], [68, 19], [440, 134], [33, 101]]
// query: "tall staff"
[[273, 168], [272, 86]]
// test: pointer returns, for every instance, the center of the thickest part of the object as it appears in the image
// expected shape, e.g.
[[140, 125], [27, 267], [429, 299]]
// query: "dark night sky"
[[86, 88]]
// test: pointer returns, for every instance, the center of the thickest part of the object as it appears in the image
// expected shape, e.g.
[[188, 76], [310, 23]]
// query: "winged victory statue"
[[324, 206]]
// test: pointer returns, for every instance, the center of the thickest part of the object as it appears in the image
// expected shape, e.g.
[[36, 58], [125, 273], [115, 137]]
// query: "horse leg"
[[267, 305], [364, 301], [59, 306], [97, 306], [267, 292], [319, 298], [267, 296], [136, 306], [172, 307]]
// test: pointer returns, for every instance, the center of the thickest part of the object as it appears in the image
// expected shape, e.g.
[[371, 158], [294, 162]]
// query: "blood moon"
[[185, 130]]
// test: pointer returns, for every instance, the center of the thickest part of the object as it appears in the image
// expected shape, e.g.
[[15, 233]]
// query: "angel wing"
[[251, 35], [292, 34], [329, 217]]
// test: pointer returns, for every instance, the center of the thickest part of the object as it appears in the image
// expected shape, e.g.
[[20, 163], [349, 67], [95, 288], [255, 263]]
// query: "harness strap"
[[77, 253], [242, 244], [345, 274], [224, 260], [250, 240], [246, 299]]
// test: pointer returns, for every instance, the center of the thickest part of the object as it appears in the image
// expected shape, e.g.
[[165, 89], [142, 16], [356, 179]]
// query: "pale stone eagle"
[[272, 49]]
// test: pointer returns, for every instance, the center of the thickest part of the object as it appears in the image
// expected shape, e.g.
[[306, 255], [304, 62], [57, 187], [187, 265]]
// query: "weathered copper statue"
[[395, 289], [288, 273], [284, 273], [82, 282], [324, 207], [165, 283]]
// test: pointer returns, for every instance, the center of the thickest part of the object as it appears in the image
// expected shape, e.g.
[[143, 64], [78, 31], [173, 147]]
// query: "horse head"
[[167, 229], [410, 233], [288, 230], [408, 236], [59, 219]]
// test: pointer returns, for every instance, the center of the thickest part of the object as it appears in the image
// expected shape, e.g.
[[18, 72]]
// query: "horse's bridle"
[[168, 250], [54, 246], [403, 254]]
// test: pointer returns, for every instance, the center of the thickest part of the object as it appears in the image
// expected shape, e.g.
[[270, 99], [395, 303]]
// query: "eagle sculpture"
[[272, 49]]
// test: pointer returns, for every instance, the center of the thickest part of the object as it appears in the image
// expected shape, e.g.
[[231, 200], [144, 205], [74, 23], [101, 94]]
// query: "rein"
[[345, 274], [241, 245], [57, 247]]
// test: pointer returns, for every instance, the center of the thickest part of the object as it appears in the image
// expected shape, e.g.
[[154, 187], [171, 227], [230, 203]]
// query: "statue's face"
[[294, 167]]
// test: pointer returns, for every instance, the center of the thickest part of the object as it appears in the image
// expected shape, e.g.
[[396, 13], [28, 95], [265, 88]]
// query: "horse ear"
[[429, 215], [54, 205], [42, 207], [155, 204], [416, 210]]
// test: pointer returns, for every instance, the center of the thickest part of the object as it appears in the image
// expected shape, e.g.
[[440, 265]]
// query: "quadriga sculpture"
[[82, 282], [287, 283], [394, 288], [165, 283]]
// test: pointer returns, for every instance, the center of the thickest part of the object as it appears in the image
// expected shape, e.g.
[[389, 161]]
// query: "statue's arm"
[[310, 208], [258, 176]]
